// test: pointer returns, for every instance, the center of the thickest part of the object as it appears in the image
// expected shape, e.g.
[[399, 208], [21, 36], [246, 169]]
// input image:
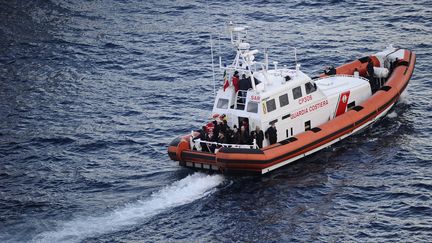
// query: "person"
[[245, 123], [244, 136], [393, 64], [370, 70], [252, 137], [222, 138], [202, 134], [370, 75], [271, 134], [234, 137], [223, 117], [216, 130], [236, 81], [224, 126], [330, 70], [244, 85], [259, 136]]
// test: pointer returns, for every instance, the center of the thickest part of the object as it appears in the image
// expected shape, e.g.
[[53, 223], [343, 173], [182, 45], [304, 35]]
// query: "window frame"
[[287, 100], [221, 107], [312, 86], [267, 105], [294, 94], [248, 105]]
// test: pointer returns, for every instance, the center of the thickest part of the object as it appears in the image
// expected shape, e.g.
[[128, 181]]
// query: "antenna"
[[295, 55], [214, 80]]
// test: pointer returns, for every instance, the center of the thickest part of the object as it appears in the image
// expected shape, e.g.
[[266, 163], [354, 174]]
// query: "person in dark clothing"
[[244, 136], [252, 137], [244, 85], [330, 70], [370, 70], [234, 137], [370, 76], [271, 134], [259, 136], [245, 123], [222, 138], [202, 134], [393, 64], [224, 126], [216, 130]]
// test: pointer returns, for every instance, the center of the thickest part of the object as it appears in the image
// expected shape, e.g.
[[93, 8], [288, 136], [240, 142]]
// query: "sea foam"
[[181, 192]]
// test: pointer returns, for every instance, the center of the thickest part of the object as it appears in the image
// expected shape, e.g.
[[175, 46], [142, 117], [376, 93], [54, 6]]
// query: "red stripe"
[[343, 103]]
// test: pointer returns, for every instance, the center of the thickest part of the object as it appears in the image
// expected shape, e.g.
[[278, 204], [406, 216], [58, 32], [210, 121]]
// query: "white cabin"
[[287, 97]]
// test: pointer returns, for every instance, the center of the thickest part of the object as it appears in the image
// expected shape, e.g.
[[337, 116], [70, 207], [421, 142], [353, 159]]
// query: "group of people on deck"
[[218, 131]]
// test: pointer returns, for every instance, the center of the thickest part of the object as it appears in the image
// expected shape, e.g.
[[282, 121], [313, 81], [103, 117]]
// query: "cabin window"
[[307, 125], [283, 100], [297, 93], [271, 105], [252, 106], [222, 104], [310, 87]]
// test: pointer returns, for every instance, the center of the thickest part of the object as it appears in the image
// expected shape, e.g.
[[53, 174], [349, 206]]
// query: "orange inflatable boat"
[[285, 115]]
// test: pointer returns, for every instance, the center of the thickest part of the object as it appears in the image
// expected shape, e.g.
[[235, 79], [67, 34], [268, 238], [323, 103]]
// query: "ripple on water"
[[92, 93]]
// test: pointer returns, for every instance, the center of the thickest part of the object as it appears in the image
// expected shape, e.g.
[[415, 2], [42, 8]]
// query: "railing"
[[214, 146], [381, 81], [342, 75], [240, 98]]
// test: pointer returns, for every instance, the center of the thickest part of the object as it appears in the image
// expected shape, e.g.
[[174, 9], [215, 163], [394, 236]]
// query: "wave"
[[187, 190], [392, 115]]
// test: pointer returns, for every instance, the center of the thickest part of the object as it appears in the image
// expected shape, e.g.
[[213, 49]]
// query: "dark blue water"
[[91, 92]]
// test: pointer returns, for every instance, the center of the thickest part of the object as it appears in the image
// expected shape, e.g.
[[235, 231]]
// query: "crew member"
[[224, 126], [244, 135], [259, 136], [202, 134], [234, 136], [236, 81], [216, 130], [370, 75], [271, 134]]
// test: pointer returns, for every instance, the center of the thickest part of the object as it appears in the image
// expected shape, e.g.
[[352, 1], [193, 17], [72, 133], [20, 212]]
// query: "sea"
[[92, 92]]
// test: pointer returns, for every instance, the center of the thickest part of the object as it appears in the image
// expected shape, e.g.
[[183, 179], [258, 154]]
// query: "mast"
[[214, 79], [244, 62]]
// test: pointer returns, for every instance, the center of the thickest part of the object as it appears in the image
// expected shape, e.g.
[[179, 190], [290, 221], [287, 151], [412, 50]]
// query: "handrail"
[[197, 145], [341, 75], [241, 97]]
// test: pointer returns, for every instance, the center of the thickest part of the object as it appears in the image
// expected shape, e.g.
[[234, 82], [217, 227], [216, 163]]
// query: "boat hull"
[[235, 160]]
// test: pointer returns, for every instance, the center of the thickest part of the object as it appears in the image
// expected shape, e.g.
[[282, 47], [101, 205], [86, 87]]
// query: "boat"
[[297, 114]]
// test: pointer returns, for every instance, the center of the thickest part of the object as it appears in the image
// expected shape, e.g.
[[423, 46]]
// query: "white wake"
[[392, 115], [181, 192]]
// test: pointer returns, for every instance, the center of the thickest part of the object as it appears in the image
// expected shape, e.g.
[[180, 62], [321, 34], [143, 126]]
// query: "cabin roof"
[[274, 81]]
